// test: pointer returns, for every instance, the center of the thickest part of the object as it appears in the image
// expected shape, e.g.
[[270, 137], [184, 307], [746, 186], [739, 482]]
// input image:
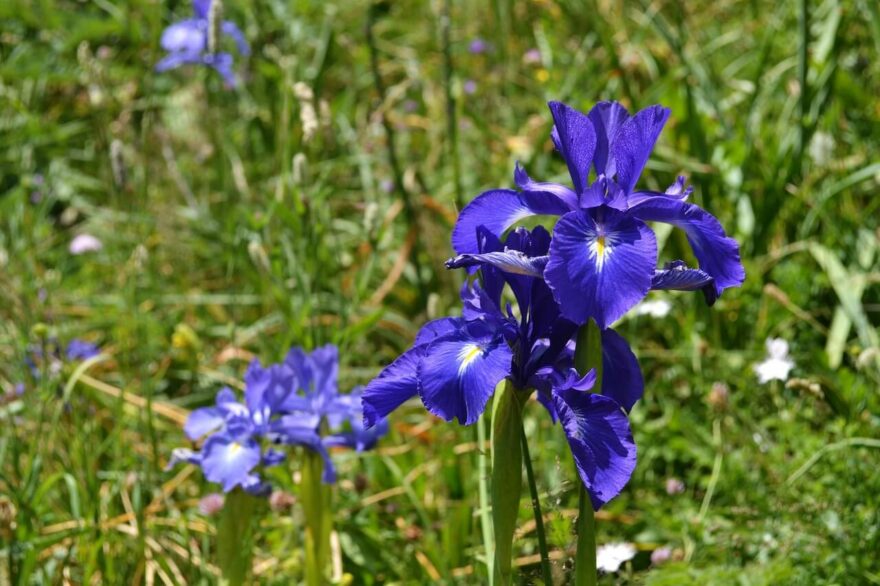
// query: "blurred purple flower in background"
[[478, 46], [470, 87], [84, 243], [674, 486], [211, 504], [187, 42], [532, 57], [81, 350], [661, 555]]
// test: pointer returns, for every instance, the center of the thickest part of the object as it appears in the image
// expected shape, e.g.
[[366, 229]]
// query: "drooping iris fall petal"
[[600, 439]]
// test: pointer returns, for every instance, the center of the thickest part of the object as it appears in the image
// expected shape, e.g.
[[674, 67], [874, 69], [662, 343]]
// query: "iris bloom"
[[603, 257], [75, 350], [290, 403], [187, 43], [456, 363]]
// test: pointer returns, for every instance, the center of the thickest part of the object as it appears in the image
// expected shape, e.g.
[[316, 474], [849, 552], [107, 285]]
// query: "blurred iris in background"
[[295, 402], [188, 42]]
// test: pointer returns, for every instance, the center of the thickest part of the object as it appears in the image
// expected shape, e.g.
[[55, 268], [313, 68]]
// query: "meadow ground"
[[314, 202]]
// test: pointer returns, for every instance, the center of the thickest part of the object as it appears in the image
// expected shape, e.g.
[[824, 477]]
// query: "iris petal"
[[436, 328], [231, 30], [186, 36], [498, 210], [397, 383], [601, 264], [459, 372], [634, 142], [717, 253], [678, 277], [202, 8], [228, 461], [526, 183], [607, 118], [621, 376], [575, 138], [509, 261], [601, 442], [202, 421]]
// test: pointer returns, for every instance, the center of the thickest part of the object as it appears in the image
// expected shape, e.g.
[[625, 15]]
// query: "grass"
[[229, 233]]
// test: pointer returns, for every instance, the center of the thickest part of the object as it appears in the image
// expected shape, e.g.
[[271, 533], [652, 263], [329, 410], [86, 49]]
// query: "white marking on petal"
[[601, 245], [467, 355], [233, 450]]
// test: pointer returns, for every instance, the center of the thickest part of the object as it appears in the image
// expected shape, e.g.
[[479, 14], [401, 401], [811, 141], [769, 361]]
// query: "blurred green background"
[[314, 204]]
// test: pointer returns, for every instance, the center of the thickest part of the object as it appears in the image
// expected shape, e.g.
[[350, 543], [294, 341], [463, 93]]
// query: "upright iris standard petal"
[[601, 264], [601, 442], [458, 373], [202, 421], [634, 142], [607, 117], [202, 8], [498, 210], [228, 461], [397, 383], [575, 138], [621, 376], [717, 253], [525, 183]]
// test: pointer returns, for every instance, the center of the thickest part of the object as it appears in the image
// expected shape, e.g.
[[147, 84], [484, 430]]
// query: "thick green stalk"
[[587, 355], [235, 537], [536, 509], [315, 499], [506, 476]]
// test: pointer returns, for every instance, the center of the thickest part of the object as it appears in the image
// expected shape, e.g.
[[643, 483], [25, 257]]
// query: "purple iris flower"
[[81, 350], [76, 350], [295, 402], [456, 363], [603, 257], [187, 43]]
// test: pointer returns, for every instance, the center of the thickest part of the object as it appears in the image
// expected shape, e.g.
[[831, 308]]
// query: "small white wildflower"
[[777, 365], [611, 556], [821, 148], [308, 117], [654, 308], [84, 243]]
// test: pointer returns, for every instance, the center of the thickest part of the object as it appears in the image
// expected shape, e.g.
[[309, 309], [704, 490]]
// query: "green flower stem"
[[316, 508], [485, 506], [587, 355], [235, 537], [506, 476], [536, 508]]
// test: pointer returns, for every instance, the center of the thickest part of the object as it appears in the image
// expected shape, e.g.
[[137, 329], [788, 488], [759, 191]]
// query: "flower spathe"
[[290, 403], [187, 43], [603, 256], [456, 363]]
